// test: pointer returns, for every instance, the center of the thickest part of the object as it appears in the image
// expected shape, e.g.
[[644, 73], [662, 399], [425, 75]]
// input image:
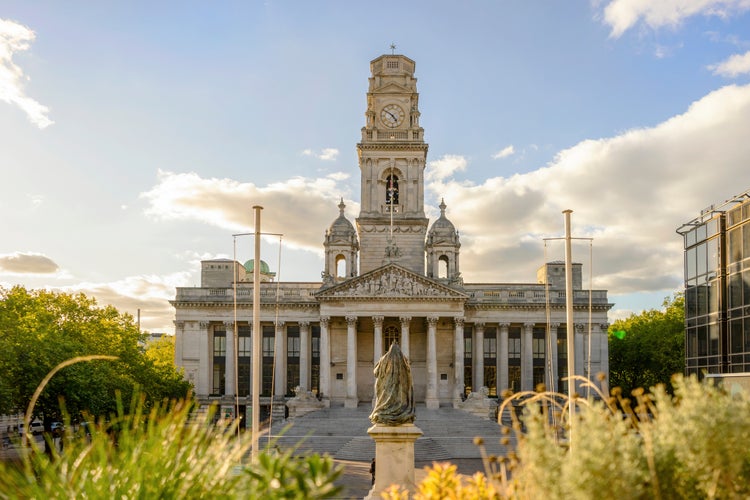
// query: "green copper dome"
[[250, 265]]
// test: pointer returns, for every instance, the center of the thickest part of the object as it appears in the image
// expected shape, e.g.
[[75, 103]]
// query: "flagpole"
[[256, 337]]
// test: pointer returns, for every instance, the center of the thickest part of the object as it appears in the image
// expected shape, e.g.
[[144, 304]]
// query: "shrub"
[[689, 445], [167, 453]]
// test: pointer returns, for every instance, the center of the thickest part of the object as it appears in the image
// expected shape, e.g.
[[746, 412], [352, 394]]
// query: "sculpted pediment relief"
[[391, 281]]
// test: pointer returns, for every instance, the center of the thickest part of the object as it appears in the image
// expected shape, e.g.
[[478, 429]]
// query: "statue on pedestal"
[[394, 391]]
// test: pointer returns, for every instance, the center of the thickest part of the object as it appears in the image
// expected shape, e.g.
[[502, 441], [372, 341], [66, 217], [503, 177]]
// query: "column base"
[[351, 403], [394, 457], [432, 403]]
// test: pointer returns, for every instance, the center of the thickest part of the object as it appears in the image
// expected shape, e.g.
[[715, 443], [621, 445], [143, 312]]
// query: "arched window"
[[391, 190], [340, 266], [390, 335], [443, 266]]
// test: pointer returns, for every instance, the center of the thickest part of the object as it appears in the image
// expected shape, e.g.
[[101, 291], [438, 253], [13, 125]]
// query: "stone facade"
[[394, 277]]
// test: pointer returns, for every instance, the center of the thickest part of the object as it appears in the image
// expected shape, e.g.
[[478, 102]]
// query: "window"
[[219, 362], [390, 335], [244, 360], [267, 363], [468, 365], [391, 64], [220, 343], [490, 360], [292, 359], [391, 190], [315, 359]]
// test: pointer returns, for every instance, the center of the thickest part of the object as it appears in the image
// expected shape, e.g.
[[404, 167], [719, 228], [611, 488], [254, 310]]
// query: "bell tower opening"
[[391, 190], [443, 266]]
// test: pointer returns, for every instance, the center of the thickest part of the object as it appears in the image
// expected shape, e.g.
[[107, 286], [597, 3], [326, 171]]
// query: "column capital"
[[280, 323], [405, 319], [324, 320], [229, 324], [432, 321], [378, 320], [204, 324], [459, 320], [504, 325], [529, 326], [304, 325], [580, 327], [604, 326], [479, 325], [351, 320], [179, 325], [554, 326]]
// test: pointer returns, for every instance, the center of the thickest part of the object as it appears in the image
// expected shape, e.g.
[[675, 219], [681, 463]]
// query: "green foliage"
[[166, 453], [652, 348], [39, 329], [692, 444]]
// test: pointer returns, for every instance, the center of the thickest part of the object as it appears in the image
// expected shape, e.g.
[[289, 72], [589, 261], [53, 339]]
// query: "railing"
[[514, 294], [390, 135], [287, 292]]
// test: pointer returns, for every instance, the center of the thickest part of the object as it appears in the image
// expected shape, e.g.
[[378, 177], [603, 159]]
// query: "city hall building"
[[391, 275]]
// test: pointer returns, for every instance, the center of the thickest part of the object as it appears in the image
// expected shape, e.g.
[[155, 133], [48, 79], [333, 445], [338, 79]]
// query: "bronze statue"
[[394, 393]]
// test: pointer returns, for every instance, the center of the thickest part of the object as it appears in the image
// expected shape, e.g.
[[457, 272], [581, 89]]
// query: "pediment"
[[393, 88], [391, 282]]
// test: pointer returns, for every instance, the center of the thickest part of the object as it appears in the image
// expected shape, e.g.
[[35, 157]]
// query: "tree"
[[646, 349], [39, 329]]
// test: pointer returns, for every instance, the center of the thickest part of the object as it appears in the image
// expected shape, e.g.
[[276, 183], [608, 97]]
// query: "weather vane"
[[393, 48]]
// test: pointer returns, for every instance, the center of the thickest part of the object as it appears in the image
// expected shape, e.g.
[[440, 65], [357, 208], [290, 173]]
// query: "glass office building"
[[717, 288]]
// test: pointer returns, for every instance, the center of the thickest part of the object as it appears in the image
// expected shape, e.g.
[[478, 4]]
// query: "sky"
[[136, 136]]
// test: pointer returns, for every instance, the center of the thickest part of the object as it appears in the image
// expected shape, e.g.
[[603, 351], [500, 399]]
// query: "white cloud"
[[504, 153], [149, 293], [27, 263], [735, 65], [622, 15], [14, 38], [300, 208], [327, 154], [629, 192], [445, 167]]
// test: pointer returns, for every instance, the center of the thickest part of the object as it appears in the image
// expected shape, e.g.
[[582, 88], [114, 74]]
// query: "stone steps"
[[342, 433]]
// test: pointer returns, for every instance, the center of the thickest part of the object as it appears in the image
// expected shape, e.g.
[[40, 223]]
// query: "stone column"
[[458, 361], [580, 348], [552, 384], [351, 362], [431, 399], [478, 357], [502, 359], [304, 355], [279, 349], [325, 357], [377, 341], [405, 335], [231, 359], [527, 357]]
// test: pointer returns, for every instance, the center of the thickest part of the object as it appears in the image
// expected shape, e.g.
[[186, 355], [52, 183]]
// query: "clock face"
[[392, 115]]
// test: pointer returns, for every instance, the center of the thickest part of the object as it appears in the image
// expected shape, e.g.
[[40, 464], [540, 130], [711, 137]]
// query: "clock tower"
[[392, 157]]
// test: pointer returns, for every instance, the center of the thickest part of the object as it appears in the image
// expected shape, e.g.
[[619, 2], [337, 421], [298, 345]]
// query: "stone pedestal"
[[479, 404], [304, 402], [394, 457]]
